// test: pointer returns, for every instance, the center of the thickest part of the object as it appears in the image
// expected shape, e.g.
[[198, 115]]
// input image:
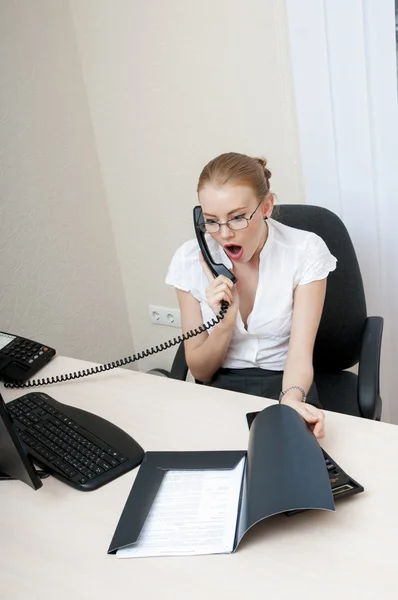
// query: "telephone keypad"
[[21, 358], [25, 350]]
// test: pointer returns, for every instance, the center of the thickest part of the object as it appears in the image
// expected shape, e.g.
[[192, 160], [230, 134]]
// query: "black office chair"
[[346, 335]]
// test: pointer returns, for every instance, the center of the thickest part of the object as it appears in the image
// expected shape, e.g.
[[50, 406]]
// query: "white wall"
[[59, 273], [345, 77], [109, 110], [170, 85]]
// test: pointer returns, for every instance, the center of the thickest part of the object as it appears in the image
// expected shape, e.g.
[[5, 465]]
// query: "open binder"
[[282, 470]]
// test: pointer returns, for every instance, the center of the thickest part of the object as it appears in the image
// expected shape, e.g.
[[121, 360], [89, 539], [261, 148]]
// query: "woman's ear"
[[268, 205]]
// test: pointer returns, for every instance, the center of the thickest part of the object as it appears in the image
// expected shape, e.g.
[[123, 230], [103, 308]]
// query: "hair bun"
[[263, 163]]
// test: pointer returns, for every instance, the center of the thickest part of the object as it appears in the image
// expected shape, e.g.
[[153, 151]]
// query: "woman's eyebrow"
[[241, 208]]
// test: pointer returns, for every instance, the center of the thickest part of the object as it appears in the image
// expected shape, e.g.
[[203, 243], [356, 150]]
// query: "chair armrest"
[[179, 368], [159, 372], [369, 400]]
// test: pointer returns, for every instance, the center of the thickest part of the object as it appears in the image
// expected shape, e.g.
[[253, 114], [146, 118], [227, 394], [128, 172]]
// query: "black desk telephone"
[[21, 358]]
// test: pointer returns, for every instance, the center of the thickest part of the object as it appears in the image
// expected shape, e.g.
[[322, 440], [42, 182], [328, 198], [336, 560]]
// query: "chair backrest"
[[339, 336]]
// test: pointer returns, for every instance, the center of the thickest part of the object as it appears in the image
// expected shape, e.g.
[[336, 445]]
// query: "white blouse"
[[290, 257]]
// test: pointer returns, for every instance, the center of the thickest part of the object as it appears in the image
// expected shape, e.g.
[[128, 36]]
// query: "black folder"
[[284, 471]]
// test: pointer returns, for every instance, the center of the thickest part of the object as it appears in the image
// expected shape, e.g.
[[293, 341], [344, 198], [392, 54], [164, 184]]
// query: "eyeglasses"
[[236, 223]]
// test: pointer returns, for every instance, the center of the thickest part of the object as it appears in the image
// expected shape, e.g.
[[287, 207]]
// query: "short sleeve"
[[183, 269], [317, 261]]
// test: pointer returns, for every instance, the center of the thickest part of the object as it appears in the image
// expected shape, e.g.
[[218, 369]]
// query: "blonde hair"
[[233, 167]]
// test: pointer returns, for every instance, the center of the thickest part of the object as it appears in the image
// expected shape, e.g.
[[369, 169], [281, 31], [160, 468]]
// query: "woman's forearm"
[[298, 372], [207, 358]]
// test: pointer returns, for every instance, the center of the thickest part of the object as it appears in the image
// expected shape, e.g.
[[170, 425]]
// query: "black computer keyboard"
[[78, 447], [341, 483]]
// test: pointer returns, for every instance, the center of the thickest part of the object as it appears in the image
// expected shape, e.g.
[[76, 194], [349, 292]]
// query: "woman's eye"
[[210, 221], [238, 217]]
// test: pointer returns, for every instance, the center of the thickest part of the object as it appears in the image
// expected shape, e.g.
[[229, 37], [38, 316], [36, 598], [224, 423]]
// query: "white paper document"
[[194, 512]]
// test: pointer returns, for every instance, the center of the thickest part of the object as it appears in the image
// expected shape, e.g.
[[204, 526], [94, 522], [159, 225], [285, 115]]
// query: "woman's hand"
[[313, 416], [220, 288]]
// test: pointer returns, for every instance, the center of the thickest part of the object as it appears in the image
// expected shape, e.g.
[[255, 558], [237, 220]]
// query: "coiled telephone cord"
[[124, 361]]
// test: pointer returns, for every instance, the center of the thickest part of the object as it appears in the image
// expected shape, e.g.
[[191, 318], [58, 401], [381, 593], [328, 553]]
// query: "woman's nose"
[[225, 232]]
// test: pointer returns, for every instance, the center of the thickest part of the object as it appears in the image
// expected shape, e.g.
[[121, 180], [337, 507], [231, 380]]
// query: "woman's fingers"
[[207, 271], [219, 289], [218, 298], [223, 281], [225, 291], [318, 426], [315, 419], [319, 430], [313, 416]]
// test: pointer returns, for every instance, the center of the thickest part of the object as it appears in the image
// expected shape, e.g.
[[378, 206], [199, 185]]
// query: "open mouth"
[[234, 251]]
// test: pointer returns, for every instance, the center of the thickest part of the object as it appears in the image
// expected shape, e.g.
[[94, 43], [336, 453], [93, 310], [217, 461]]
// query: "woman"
[[264, 344]]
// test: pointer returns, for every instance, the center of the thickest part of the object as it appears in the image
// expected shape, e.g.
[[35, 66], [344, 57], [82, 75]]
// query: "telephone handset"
[[15, 370], [215, 268]]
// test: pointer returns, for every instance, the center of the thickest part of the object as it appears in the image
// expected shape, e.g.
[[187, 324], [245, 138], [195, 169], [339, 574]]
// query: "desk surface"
[[53, 542]]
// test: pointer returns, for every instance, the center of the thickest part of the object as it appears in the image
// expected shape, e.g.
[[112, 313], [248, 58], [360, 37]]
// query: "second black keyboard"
[[78, 447]]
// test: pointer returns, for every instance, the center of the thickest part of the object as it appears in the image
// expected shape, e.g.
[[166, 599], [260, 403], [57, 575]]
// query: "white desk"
[[53, 542]]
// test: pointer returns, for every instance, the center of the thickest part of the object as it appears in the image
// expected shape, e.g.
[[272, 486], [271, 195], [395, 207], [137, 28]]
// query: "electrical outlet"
[[161, 315]]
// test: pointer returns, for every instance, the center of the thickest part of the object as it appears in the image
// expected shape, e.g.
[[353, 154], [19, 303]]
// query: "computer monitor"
[[14, 462]]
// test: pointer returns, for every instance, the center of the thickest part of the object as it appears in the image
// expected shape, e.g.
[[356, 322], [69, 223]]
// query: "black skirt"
[[257, 382]]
